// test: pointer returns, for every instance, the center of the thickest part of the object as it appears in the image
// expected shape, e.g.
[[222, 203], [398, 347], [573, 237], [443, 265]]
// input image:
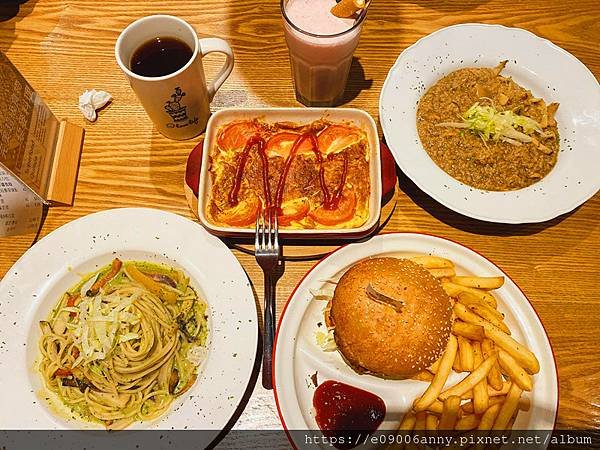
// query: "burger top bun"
[[392, 318]]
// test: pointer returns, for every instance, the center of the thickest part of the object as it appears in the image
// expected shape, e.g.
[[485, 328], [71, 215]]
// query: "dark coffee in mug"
[[167, 73], [160, 56]]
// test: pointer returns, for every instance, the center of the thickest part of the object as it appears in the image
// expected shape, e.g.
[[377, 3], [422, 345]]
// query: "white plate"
[[33, 285], [535, 63], [297, 356]]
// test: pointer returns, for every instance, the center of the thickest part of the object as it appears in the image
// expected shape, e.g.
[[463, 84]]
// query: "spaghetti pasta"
[[117, 349]]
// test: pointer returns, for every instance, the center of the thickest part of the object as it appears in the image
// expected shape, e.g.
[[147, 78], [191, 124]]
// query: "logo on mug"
[[176, 110]]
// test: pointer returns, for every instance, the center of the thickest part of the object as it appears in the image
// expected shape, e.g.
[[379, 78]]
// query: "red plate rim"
[[386, 233]]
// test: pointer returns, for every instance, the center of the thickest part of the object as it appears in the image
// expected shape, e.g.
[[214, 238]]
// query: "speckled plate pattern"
[[34, 284], [536, 64], [298, 357]]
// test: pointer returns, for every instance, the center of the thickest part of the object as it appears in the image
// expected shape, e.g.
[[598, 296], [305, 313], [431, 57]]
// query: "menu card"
[[37, 148], [20, 208]]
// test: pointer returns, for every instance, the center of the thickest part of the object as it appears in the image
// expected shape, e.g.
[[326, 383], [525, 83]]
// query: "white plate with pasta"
[[127, 318], [301, 328]]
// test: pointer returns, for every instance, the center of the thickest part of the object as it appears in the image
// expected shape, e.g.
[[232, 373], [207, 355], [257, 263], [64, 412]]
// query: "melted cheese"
[[334, 139]]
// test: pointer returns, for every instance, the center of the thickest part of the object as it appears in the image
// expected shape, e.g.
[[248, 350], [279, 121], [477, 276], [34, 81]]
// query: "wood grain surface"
[[66, 46]]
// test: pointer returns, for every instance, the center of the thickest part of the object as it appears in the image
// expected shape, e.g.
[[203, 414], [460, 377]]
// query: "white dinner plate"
[[536, 64], [297, 355], [34, 284]]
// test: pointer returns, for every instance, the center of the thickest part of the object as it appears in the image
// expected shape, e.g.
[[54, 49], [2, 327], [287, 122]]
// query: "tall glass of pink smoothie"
[[321, 47]]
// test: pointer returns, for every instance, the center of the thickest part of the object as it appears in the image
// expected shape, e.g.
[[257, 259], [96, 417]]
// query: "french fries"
[[449, 413], [408, 421], [489, 417], [511, 422], [453, 289], [421, 421], [436, 386], [435, 366], [456, 366], [489, 311], [487, 283], [495, 392], [423, 375], [445, 272], [516, 373], [468, 299], [524, 403], [518, 351], [485, 312], [432, 262], [431, 422], [468, 330], [467, 395], [499, 368], [465, 350], [480, 392], [508, 408], [466, 423], [436, 407], [494, 377], [469, 382], [468, 408]]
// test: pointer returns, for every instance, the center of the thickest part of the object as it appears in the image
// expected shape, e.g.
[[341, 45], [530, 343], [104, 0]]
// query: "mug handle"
[[209, 45]]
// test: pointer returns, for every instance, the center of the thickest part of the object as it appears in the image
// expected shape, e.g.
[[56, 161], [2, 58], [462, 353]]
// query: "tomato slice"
[[344, 211], [293, 210], [71, 302], [62, 372], [236, 135], [242, 214], [281, 144], [337, 137]]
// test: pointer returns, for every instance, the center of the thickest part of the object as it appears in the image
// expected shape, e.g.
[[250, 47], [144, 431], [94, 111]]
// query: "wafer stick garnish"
[[347, 8], [383, 299]]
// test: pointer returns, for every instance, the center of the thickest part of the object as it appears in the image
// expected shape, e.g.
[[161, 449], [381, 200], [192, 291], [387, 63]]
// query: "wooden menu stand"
[[65, 164], [36, 147]]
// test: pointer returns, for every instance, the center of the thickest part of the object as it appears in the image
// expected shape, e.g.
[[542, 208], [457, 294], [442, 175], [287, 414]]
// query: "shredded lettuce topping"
[[490, 124], [326, 340]]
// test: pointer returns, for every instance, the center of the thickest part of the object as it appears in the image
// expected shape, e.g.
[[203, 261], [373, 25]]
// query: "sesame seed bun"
[[392, 318]]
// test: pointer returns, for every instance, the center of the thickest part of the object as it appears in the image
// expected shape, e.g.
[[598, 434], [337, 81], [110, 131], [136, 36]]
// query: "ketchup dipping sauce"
[[346, 413]]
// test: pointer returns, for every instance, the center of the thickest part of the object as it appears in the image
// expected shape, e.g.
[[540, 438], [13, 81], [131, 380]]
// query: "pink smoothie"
[[315, 16], [320, 62]]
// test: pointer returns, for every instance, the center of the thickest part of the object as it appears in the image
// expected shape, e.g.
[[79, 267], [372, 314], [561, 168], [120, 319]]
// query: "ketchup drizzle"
[[337, 195], [288, 162], [258, 141], [330, 201]]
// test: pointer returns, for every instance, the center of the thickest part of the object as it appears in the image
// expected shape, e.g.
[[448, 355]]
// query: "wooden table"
[[66, 46]]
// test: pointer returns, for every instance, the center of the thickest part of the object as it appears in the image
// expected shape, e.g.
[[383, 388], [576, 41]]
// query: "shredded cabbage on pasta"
[[121, 345]]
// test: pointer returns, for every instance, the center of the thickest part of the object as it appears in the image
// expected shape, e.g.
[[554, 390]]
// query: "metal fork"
[[266, 250]]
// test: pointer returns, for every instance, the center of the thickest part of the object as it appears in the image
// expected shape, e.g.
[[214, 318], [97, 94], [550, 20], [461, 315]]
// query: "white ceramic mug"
[[177, 103]]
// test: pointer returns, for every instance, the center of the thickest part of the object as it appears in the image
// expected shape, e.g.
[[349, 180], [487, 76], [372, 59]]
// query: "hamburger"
[[391, 317]]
